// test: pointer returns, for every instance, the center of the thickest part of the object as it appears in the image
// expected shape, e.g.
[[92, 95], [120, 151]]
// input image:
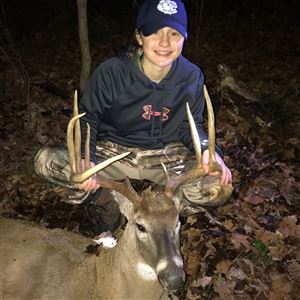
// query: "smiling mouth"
[[163, 53]]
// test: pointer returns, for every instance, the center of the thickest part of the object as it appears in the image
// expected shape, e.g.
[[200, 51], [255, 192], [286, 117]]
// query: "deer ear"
[[125, 205]]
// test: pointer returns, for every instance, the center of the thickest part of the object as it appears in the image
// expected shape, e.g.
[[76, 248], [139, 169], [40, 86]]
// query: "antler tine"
[[195, 136], [70, 143], [87, 156], [212, 165], [82, 176], [77, 134], [125, 188]]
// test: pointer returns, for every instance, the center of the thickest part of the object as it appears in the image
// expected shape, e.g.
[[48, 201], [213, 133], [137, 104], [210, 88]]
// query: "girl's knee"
[[50, 159]]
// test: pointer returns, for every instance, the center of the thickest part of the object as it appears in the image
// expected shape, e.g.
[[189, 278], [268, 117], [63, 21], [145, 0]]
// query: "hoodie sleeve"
[[197, 105], [97, 97]]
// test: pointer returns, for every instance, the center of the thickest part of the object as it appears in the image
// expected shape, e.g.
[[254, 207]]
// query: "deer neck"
[[130, 274], [126, 253]]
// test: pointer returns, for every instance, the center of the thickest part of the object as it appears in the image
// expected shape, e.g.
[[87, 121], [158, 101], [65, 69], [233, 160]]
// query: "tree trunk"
[[84, 43]]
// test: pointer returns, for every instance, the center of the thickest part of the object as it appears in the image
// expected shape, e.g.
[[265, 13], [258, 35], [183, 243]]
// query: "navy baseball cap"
[[156, 14]]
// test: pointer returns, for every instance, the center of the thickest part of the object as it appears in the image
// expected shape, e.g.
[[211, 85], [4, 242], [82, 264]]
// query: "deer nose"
[[172, 280]]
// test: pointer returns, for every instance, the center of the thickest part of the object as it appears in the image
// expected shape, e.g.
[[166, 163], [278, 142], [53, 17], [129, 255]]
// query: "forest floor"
[[252, 71]]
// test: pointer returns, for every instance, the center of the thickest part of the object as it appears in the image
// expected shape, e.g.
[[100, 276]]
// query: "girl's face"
[[161, 48]]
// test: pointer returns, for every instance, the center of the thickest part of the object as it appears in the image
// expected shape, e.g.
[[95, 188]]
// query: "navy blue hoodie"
[[125, 107]]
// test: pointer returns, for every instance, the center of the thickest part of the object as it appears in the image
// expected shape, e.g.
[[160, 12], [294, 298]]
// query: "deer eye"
[[141, 227]]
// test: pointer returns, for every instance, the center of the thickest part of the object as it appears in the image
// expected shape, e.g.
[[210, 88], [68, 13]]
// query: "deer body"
[[39, 263]]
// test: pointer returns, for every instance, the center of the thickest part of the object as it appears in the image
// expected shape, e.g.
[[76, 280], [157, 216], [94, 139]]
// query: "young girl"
[[136, 102]]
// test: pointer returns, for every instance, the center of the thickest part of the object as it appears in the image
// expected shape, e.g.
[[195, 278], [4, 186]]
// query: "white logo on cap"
[[167, 7]]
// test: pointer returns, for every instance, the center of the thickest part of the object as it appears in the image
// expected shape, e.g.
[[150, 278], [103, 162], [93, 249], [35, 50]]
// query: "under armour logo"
[[148, 113]]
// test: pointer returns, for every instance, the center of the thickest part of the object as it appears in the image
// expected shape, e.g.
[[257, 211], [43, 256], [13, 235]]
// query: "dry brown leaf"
[[194, 236], [247, 263], [222, 288], [252, 223], [236, 273], [192, 263], [203, 281], [223, 266], [288, 227], [229, 225], [277, 247], [192, 220], [281, 286], [193, 293], [15, 178], [239, 240], [294, 271], [261, 190], [211, 250], [263, 235], [254, 199]]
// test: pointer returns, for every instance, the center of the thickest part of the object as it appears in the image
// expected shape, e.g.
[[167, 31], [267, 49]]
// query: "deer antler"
[[74, 150], [217, 191]]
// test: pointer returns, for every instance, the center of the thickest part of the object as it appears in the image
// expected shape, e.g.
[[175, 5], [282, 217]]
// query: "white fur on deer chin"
[[146, 272]]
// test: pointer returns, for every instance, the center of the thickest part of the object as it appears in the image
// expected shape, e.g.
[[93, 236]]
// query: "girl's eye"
[[175, 34]]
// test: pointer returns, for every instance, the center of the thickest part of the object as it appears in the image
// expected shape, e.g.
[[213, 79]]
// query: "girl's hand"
[[91, 184], [226, 177]]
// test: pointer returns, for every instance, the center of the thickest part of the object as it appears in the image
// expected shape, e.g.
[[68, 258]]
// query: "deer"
[[146, 263]]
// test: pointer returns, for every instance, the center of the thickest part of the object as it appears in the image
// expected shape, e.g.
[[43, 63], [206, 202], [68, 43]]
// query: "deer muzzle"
[[173, 279], [170, 270]]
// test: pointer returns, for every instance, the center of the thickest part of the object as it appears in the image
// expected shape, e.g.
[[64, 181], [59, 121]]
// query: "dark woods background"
[[250, 54], [108, 19], [27, 18]]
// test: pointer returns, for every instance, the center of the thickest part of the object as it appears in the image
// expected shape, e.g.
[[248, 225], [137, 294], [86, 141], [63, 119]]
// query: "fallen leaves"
[[253, 251]]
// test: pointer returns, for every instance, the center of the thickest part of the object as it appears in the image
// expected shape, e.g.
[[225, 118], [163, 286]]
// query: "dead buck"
[[146, 263]]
